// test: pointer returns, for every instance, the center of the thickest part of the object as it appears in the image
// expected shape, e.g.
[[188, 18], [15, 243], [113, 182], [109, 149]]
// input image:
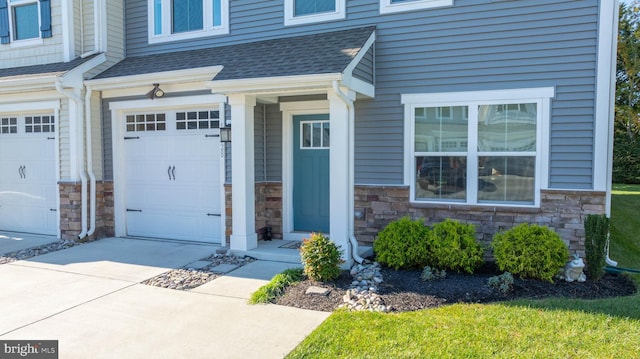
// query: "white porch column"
[[244, 235], [340, 175]]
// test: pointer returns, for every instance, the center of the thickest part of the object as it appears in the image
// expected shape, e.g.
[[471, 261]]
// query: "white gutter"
[[611, 98], [352, 239], [89, 149], [83, 188]]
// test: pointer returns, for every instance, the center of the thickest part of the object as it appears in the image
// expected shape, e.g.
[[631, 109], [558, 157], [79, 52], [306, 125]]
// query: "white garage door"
[[172, 175], [28, 174]]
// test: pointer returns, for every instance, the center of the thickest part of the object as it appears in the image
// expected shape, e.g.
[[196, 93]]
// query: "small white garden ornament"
[[573, 271]]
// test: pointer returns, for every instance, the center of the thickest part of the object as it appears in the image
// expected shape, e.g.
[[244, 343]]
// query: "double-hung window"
[[171, 20], [24, 22], [484, 147], [391, 6], [309, 11]]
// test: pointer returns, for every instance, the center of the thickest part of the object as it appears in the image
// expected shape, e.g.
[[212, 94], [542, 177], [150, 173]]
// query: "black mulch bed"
[[404, 291]]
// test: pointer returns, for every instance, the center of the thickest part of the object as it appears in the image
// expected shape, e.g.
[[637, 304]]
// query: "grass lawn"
[[625, 225], [550, 328]]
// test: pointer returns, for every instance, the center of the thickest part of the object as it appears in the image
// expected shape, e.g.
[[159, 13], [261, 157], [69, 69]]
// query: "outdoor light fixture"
[[155, 92], [225, 134]]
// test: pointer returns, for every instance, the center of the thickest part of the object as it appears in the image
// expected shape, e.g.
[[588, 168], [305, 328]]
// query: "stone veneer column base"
[[71, 210], [268, 204], [563, 211]]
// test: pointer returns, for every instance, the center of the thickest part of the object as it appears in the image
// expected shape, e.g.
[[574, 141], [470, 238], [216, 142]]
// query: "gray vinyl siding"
[[473, 45], [107, 138], [114, 37], [260, 141], [274, 143], [365, 69]]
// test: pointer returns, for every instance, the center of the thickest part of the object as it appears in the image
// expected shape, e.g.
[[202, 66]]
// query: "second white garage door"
[[173, 175], [28, 188]]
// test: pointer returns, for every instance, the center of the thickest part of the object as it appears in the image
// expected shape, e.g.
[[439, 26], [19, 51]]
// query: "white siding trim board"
[[605, 92]]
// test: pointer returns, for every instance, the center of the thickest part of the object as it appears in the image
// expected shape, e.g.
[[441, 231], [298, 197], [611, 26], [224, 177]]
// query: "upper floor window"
[[391, 6], [171, 20], [309, 11], [24, 22]]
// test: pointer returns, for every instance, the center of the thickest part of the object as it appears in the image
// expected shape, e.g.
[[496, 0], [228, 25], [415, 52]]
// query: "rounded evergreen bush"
[[320, 257], [530, 251], [402, 244], [452, 245]]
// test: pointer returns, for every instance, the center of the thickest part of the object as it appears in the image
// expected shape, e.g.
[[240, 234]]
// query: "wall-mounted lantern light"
[[155, 92], [225, 132]]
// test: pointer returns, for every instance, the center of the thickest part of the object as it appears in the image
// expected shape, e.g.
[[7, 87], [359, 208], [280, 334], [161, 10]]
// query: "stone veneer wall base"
[[71, 210], [563, 211]]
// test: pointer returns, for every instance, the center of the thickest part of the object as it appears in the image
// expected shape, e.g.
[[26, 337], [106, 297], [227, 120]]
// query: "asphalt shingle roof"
[[329, 52], [54, 68]]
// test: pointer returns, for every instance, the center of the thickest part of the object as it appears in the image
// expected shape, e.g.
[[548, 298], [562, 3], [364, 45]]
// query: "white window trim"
[[541, 96], [387, 7], [290, 18], [35, 41], [208, 28]]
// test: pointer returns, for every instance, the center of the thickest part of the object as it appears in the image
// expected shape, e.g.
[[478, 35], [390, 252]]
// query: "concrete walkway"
[[13, 242], [89, 299]]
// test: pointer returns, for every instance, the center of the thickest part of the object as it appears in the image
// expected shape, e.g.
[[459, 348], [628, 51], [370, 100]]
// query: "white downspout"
[[92, 176], [97, 24], [352, 238], [83, 179]]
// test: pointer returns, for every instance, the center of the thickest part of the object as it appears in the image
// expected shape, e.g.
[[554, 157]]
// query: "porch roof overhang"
[[44, 77], [300, 64]]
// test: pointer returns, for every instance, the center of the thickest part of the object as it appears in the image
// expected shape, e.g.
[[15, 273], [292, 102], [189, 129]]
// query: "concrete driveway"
[[90, 299]]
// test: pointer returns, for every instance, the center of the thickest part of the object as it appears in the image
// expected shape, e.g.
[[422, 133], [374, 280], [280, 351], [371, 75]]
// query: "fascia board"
[[29, 83], [165, 77], [271, 84]]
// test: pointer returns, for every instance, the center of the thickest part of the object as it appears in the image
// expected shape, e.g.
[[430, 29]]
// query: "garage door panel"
[[148, 172], [23, 218], [174, 225], [28, 188], [173, 183]]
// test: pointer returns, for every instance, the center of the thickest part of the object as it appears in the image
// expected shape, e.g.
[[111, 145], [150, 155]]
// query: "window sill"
[[386, 7], [26, 43], [310, 19], [188, 35], [485, 207]]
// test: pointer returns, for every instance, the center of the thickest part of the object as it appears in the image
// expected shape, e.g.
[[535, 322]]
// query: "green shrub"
[[429, 274], [402, 244], [502, 283], [530, 251], [452, 245], [320, 257], [275, 288], [596, 229]]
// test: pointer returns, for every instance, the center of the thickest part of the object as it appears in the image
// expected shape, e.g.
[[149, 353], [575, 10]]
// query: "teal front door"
[[311, 173]]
